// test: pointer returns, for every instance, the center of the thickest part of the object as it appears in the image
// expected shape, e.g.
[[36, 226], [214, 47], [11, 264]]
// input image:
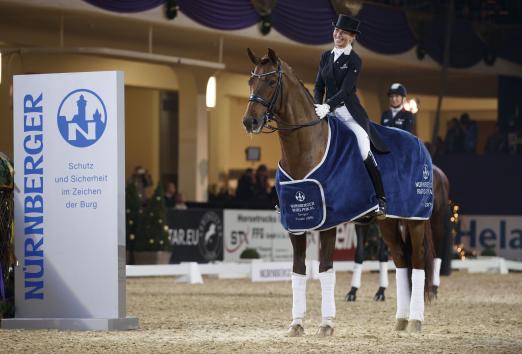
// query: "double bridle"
[[269, 113]]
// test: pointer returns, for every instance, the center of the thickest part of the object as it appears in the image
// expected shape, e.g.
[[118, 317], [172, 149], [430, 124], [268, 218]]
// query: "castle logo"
[[82, 118]]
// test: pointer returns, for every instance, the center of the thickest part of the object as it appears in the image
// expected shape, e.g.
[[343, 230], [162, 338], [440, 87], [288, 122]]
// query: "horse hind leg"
[[422, 262], [392, 237], [361, 231], [383, 272]]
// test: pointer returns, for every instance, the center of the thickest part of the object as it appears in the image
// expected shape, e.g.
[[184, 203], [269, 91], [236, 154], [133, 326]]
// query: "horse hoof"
[[325, 331], [351, 295], [401, 324], [414, 326], [295, 330], [379, 295], [434, 291]]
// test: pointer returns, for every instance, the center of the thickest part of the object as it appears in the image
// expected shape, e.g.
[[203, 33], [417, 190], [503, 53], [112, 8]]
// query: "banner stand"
[[69, 158]]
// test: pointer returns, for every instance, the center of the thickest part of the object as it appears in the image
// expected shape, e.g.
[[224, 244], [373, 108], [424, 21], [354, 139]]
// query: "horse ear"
[[272, 55], [252, 56]]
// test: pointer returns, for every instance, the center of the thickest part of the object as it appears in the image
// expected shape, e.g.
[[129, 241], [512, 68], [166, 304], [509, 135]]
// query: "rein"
[[269, 113]]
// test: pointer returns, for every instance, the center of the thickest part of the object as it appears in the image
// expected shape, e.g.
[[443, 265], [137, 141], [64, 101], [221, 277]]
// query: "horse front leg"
[[391, 235], [296, 328], [327, 279]]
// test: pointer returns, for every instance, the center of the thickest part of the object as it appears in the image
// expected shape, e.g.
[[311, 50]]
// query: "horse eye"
[[272, 82]]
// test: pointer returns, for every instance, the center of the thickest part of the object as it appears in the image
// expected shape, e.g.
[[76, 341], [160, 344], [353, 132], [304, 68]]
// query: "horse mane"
[[298, 80], [266, 59]]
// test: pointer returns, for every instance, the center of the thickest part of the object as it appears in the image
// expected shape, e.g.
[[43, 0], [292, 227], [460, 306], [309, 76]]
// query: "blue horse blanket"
[[339, 188]]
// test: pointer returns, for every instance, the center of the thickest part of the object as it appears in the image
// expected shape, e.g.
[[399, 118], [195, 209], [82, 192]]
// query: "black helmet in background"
[[397, 89]]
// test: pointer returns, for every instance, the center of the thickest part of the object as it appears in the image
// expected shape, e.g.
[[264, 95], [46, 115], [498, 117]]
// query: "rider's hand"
[[322, 110]]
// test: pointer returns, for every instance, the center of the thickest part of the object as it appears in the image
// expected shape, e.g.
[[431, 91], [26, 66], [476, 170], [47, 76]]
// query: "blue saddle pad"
[[305, 208], [347, 190]]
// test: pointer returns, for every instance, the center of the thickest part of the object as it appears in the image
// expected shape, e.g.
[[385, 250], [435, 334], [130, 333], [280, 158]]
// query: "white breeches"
[[363, 140]]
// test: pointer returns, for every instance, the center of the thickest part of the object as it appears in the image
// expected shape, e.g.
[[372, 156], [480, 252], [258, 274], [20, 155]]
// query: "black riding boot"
[[375, 175]]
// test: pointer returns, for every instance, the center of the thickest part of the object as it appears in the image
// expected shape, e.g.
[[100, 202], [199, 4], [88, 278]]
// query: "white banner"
[[261, 230], [273, 271], [501, 233], [70, 200]]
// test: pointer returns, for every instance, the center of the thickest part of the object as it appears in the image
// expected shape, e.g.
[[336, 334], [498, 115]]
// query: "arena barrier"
[[188, 272], [258, 270], [238, 231]]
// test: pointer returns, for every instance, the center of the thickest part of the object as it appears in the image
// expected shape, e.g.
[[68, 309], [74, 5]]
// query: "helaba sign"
[[500, 233]]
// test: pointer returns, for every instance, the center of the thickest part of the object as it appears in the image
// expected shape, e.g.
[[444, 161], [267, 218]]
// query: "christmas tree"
[[134, 212], [152, 232]]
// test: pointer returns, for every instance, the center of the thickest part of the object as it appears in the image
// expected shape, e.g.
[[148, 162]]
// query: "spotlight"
[[211, 92], [171, 9]]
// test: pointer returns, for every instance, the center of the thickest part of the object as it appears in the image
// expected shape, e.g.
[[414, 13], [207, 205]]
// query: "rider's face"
[[342, 38], [395, 100]]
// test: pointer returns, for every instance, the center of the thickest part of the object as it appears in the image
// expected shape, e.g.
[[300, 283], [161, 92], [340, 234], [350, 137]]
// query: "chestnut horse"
[[442, 241], [277, 95]]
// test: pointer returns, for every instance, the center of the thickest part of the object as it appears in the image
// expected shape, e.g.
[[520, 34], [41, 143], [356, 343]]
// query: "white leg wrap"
[[436, 271], [356, 276], [327, 280], [298, 296], [403, 293], [383, 274], [417, 295]]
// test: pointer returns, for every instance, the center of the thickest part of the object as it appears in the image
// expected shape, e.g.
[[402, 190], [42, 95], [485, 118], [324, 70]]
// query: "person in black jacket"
[[335, 91], [397, 116]]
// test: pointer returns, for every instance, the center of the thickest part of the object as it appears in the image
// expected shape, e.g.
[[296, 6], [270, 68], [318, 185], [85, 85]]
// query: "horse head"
[[266, 85]]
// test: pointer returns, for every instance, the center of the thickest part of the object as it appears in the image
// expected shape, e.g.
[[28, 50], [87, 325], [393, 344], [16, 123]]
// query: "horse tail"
[[429, 255]]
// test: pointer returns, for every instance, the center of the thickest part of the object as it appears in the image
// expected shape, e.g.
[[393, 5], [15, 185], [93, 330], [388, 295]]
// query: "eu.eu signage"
[[69, 202]]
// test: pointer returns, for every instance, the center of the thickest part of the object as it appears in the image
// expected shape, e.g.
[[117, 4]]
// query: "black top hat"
[[348, 24]]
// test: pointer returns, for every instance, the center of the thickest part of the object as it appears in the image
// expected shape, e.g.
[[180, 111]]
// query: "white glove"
[[322, 110]]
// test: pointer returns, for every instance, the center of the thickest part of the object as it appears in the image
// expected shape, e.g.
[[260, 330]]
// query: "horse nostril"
[[247, 122]]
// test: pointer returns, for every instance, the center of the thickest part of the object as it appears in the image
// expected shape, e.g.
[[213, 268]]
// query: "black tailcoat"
[[339, 81]]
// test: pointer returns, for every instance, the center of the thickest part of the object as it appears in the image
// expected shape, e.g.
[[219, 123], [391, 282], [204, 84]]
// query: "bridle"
[[269, 113]]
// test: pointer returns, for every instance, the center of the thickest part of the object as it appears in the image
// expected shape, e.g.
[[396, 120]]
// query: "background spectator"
[[262, 187], [246, 185], [470, 132], [497, 143], [142, 180], [454, 142], [173, 199]]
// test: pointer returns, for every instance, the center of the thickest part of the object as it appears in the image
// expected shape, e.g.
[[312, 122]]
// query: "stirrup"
[[371, 216]]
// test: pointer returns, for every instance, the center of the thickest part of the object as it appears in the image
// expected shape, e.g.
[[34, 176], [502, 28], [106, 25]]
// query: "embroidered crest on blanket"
[[339, 188]]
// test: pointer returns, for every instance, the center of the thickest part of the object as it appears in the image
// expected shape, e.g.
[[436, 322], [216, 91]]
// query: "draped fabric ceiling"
[[385, 30]]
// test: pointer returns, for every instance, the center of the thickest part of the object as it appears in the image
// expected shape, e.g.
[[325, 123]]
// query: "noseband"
[[269, 113]]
